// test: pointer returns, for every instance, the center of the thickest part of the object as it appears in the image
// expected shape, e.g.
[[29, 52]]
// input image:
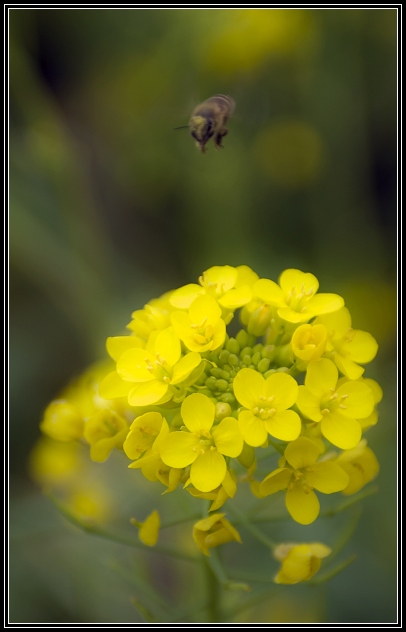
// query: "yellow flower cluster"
[[184, 398]]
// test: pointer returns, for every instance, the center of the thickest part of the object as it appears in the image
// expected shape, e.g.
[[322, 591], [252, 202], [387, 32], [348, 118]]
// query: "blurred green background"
[[109, 207]]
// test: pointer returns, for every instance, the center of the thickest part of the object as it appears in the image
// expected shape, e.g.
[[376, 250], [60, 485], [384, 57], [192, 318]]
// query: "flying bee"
[[209, 119]]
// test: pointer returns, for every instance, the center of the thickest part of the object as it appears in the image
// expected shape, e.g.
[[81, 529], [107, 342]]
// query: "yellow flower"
[[361, 466], [202, 447], [299, 561], [347, 347], [149, 529], [117, 345], [154, 316], [309, 342], [147, 375], [338, 408], [90, 502], [104, 431], [226, 490], [202, 328], [213, 531], [55, 462], [295, 296], [143, 432], [266, 401], [377, 393], [62, 421], [301, 477], [231, 287]]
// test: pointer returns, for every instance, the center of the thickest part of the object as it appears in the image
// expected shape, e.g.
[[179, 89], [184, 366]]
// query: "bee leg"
[[219, 137]]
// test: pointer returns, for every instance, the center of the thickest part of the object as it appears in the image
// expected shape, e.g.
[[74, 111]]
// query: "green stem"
[[213, 588], [277, 447], [257, 533], [323, 578], [118, 539], [176, 521]]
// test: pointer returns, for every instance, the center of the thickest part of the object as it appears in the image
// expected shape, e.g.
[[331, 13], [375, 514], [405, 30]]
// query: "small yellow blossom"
[[154, 316], [202, 447], [149, 530], [231, 287], [295, 296], [361, 466], [299, 561], [377, 393], [347, 347], [62, 421], [143, 432], [309, 342], [202, 328], [337, 408], [266, 402], [301, 476], [213, 531], [104, 431], [147, 375]]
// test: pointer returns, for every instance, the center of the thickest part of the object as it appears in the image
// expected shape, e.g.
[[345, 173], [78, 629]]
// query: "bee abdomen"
[[223, 101]]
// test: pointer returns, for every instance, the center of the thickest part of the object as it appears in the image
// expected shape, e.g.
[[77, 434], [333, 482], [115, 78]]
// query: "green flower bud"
[[247, 456], [285, 355], [268, 373], [221, 385], [242, 338], [263, 365], [202, 379], [256, 358], [206, 391], [228, 398], [232, 374], [211, 383], [269, 352], [223, 356], [233, 359], [258, 348], [233, 347], [259, 320], [225, 375], [246, 351], [222, 410], [177, 421], [227, 367], [252, 366], [216, 372], [282, 369], [247, 360], [251, 340]]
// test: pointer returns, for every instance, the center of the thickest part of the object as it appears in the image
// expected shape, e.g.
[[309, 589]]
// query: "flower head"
[[300, 475], [149, 529], [361, 465], [299, 561], [104, 431], [213, 531], [201, 328], [266, 403]]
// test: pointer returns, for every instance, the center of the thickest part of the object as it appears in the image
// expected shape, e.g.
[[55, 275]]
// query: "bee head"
[[201, 128]]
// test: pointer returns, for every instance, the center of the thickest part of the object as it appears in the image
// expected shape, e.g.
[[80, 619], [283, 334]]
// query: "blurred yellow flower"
[[361, 466], [149, 530], [62, 421], [104, 431], [213, 531], [299, 561]]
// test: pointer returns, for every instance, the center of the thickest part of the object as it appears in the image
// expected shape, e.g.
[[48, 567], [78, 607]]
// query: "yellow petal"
[[246, 276], [207, 523], [337, 323], [222, 276], [357, 398], [116, 345], [219, 334], [208, 471], [362, 347], [184, 296], [283, 388], [284, 425], [322, 375], [149, 530], [206, 310], [113, 386], [177, 450], [248, 387], [236, 298], [350, 369], [269, 292], [184, 367], [291, 316], [198, 413], [146, 393], [301, 281], [167, 345], [375, 388], [327, 477], [309, 404], [132, 365], [324, 304], [302, 453], [275, 481], [181, 323], [304, 507], [341, 431], [228, 438], [253, 429]]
